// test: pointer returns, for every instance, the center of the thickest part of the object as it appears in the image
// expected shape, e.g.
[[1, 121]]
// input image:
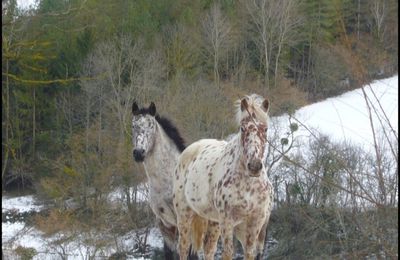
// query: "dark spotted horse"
[[225, 183]]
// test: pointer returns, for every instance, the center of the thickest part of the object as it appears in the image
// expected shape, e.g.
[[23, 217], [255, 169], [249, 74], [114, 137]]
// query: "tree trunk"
[[7, 118], [34, 123], [87, 124], [100, 121], [216, 72], [358, 18]]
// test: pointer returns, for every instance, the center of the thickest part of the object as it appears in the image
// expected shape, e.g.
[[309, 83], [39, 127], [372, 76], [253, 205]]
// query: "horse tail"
[[199, 229]]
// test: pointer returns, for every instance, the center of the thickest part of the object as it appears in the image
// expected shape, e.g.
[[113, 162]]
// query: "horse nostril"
[[258, 166], [138, 151], [138, 154], [255, 165]]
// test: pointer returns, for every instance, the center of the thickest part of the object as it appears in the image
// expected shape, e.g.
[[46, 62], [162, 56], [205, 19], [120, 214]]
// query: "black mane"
[[172, 132]]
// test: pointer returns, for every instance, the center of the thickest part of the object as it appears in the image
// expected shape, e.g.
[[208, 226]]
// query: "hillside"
[[343, 118]]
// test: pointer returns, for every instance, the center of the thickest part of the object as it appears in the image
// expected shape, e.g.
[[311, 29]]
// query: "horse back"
[[197, 175], [193, 151]]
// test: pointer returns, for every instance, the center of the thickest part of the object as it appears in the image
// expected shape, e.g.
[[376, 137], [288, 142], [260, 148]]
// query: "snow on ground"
[[346, 118], [20, 204], [20, 234], [139, 193]]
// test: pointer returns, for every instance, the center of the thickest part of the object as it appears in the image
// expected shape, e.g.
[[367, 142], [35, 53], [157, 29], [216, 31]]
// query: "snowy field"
[[20, 204], [343, 118], [346, 118], [19, 234]]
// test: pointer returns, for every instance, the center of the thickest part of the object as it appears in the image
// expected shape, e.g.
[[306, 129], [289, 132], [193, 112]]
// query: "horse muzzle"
[[138, 155], [254, 168]]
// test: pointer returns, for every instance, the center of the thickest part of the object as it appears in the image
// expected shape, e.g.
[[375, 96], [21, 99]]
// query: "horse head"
[[253, 133], [143, 130]]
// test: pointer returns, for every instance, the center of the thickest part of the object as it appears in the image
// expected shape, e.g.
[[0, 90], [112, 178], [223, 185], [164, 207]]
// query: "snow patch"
[[346, 117], [20, 204]]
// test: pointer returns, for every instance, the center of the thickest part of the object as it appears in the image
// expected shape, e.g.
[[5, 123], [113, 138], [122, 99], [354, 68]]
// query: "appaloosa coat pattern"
[[226, 184]]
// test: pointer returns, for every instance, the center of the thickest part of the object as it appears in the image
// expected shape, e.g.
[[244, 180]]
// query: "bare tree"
[[217, 36], [116, 59], [378, 11], [261, 15], [274, 22], [287, 22], [120, 70]]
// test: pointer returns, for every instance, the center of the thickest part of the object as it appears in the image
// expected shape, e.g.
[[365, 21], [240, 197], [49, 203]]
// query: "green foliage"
[[66, 126], [331, 231], [25, 253], [44, 51]]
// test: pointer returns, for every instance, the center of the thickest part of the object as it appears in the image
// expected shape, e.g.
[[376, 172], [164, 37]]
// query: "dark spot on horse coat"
[[226, 183], [226, 204]]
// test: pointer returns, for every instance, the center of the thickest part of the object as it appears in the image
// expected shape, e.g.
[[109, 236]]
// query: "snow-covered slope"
[[343, 118], [346, 117]]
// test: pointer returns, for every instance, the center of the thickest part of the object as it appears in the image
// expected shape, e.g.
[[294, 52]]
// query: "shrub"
[[25, 253]]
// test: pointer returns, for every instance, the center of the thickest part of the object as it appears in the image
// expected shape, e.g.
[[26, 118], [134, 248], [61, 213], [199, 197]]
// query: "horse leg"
[[184, 219], [227, 238], [261, 241], [170, 235], [252, 235], [211, 240], [168, 253]]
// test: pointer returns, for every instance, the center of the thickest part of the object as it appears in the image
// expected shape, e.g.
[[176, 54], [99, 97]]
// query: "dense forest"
[[72, 68]]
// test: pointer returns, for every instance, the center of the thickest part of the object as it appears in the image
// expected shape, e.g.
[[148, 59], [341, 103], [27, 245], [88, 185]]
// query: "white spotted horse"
[[225, 183], [157, 143]]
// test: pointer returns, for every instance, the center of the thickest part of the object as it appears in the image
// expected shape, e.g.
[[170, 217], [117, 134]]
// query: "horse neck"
[[161, 161], [235, 144]]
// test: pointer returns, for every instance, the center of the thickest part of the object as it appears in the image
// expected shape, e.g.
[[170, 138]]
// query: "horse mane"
[[255, 103], [172, 132]]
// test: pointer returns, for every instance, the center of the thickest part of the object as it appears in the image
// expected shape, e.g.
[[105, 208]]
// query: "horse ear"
[[265, 105], [135, 108], [152, 109], [243, 104]]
